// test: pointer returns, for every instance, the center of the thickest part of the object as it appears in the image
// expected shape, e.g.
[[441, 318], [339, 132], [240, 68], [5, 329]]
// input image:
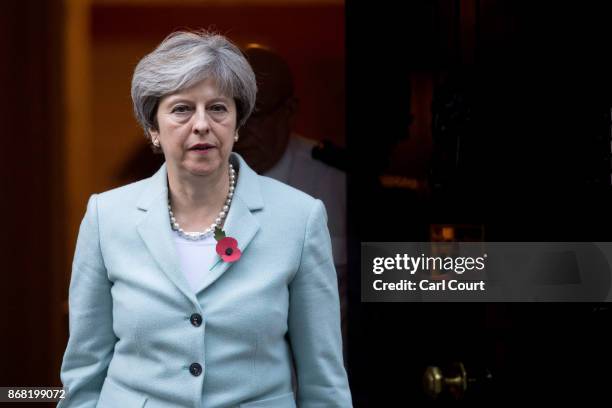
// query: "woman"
[[164, 316]]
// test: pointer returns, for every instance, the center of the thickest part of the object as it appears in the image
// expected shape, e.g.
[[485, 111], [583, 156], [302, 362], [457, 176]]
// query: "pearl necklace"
[[195, 236]]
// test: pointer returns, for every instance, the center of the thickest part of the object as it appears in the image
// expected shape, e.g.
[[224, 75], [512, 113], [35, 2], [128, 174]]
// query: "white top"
[[196, 258], [298, 169], [281, 171]]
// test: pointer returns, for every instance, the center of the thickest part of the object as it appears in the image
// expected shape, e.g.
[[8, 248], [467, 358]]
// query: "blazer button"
[[195, 369], [196, 319]]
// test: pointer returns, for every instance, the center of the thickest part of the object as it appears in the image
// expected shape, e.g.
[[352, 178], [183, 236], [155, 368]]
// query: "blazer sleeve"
[[314, 321], [92, 340]]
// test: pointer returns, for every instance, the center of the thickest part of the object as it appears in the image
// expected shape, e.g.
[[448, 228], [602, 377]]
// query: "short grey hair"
[[183, 59]]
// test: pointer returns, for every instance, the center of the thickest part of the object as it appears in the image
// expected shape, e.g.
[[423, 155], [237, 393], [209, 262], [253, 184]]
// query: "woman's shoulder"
[[272, 188], [281, 197], [123, 195]]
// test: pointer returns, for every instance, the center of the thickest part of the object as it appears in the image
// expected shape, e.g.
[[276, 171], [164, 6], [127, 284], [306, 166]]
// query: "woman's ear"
[[154, 135]]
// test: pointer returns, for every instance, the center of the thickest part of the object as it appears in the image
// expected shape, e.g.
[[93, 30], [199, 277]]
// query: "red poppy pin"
[[227, 247]]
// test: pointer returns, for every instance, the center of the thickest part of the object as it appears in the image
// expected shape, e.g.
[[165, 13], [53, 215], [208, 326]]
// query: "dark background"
[[516, 98]]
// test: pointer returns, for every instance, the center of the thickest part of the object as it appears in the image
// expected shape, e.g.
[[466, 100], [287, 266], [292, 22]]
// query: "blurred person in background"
[[272, 148]]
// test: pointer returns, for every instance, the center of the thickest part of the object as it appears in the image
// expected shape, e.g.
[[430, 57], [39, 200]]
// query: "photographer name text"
[[428, 285]]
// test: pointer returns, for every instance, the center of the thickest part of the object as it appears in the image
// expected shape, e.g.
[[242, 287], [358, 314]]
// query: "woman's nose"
[[200, 121]]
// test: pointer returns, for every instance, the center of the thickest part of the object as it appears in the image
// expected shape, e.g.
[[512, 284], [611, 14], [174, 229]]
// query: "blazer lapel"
[[155, 231], [240, 224]]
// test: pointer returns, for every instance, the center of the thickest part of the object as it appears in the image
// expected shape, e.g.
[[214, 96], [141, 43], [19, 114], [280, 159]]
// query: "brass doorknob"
[[453, 380]]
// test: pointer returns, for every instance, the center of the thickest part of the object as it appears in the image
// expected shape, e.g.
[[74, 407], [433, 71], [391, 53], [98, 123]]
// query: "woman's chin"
[[202, 169]]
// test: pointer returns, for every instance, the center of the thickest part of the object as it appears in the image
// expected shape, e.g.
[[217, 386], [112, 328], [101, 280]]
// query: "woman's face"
[[196, 129]]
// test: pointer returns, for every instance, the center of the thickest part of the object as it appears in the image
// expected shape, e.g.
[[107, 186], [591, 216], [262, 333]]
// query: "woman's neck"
[[197, 200]]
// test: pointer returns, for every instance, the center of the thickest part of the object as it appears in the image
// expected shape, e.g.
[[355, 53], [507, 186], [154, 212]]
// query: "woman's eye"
[[180, 109], [218, 108]]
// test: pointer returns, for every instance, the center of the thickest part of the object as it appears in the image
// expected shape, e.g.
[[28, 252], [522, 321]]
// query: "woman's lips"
[[205, 150], [202, 151]]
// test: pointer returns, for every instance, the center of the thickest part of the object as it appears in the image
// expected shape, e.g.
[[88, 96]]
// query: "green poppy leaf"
[[219, 234]]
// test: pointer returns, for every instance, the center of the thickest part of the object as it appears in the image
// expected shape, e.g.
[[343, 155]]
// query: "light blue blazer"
[[132, 342]]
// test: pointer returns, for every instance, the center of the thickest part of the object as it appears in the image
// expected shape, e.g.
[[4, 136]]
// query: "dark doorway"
[[491, 117]]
